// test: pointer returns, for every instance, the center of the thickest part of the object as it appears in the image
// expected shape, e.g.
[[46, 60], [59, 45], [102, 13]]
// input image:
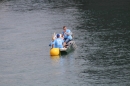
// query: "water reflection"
[[55, 58]]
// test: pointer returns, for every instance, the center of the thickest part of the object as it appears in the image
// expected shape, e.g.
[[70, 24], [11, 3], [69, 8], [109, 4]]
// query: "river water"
[[101, 32]]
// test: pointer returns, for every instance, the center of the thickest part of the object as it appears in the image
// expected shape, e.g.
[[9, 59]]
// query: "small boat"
[[69, 47]]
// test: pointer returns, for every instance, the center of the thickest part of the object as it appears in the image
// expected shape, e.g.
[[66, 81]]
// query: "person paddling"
[[67, 34]]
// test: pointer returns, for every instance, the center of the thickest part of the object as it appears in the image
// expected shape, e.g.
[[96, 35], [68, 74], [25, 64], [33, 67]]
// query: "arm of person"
[[53, 43], [68, 32], [50, 44], [63, 44], [62, 35]]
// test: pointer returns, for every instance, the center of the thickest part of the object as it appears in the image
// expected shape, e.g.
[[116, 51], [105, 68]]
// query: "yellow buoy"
[[54, 52]]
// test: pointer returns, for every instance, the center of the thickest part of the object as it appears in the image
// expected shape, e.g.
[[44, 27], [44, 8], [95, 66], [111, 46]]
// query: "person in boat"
[[58, 42], [52, 42], [67, 34]]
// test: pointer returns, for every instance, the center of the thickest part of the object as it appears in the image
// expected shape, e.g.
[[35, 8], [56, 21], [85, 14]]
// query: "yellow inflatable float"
[[55, 52]]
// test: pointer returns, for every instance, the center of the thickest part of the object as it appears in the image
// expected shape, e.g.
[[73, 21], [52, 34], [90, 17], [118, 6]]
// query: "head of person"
[[58, 35], [64, 28]]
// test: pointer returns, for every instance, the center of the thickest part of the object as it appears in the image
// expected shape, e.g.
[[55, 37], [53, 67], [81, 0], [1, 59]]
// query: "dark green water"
[[101, 31]]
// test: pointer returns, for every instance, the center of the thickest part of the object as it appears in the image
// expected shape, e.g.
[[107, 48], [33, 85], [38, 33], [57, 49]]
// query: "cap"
[[58, 35]]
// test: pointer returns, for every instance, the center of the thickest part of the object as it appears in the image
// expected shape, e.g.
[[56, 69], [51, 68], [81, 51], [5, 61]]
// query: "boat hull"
[[70, 46]]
